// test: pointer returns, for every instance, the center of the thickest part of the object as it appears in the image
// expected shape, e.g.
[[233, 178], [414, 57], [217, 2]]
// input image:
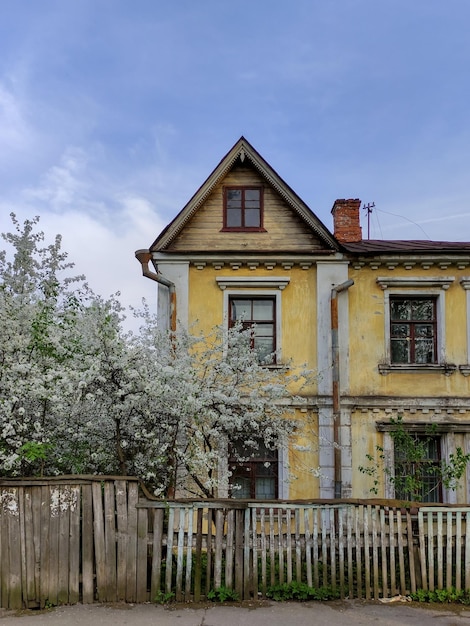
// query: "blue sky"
[[112, 113]]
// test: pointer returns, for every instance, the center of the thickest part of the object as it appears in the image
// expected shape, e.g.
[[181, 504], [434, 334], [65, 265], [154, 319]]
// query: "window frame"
[[420, 287], [412, 324], [253, 293], [243, 228], [252, 322], [447, 432], [465, 284], [249, 469], [436, 492]]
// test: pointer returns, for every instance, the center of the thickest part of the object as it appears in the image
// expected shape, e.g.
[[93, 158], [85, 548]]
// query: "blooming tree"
[[79, 395]]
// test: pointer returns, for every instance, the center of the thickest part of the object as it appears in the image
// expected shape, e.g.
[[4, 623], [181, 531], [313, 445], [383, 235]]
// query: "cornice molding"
[[253, 282], [409, 262], [442, 282]]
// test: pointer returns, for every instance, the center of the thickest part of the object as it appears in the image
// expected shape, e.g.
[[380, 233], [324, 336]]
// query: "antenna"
[[368, 207]]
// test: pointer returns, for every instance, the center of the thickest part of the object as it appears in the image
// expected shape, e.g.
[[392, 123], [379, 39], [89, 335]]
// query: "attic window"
[[243, 209]]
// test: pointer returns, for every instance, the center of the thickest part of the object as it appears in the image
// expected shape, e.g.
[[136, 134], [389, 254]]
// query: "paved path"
[[352, 613]]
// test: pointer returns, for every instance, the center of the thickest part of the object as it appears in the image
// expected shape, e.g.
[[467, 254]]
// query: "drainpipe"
[[336, 384], [144, 256]]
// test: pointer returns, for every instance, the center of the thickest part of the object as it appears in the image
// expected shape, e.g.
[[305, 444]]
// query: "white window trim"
[[446, 431], [253, 293], [448, 495], [432, 287], [465, 283], [253, 282]]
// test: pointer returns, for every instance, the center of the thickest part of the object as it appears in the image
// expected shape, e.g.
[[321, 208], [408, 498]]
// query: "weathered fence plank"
[[14, 542], [180, 553], [53, 594], [131, 560], [63, 514], [99, 544], [142, 560], [110, 540], [88, 569], [230, 550], [458, 550], [74, 547], [121, 539], [155, 587], [198, 557], [45, 535], [467, 549], [189, 556]]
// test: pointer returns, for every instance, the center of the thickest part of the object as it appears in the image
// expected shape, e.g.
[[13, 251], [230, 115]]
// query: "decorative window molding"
[[257, 313], [465, 283], [392, 282], [253, 282], [416, 287], [422, 427], [444, 368], [253, 293], [444, 430]]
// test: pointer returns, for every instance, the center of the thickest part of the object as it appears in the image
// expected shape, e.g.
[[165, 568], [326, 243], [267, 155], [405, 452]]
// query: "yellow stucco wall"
[[298, 345], [366, 352], [416, 389], [367, 338], [298, 315]]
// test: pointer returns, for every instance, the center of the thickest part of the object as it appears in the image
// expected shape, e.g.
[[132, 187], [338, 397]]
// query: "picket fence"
[[87, 539]]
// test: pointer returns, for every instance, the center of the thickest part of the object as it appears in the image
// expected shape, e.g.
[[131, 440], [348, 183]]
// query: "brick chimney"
[[346, 220]]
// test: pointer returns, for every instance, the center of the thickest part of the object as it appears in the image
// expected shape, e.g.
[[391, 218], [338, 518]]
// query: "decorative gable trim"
[[253, 282], [243, 150]]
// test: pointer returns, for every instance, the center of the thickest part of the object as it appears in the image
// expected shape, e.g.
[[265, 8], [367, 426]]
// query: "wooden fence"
[[88, 539]]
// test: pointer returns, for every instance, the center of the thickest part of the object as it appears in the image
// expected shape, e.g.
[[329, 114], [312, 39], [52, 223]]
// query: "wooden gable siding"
[[285, 231]]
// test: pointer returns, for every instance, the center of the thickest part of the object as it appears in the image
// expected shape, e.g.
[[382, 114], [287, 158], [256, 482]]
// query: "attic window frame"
[[242, 228]]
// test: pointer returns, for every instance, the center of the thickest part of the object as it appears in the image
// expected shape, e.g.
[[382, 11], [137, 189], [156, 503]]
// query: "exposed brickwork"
[[346, 220]]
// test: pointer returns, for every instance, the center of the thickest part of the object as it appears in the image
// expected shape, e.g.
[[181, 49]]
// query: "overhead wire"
[[407, 219]]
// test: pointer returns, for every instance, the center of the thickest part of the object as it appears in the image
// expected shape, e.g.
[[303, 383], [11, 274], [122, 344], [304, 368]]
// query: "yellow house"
[[384, 324]]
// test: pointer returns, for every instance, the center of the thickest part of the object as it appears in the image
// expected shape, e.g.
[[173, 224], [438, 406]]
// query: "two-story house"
[[384, 324]]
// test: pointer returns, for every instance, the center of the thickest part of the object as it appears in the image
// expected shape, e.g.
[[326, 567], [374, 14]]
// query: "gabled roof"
[[243, 150]]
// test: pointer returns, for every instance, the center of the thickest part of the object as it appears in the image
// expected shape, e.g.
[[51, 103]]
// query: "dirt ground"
[[354, 613]]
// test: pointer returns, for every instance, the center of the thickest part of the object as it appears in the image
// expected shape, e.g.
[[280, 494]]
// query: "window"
[[243, 208], [254, 472], [415, 324], [413, 330], [258, 313], [417, 471]]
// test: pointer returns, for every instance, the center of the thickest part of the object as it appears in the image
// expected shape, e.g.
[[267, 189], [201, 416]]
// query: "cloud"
[[102, 222], [15, 133], [63, 185]]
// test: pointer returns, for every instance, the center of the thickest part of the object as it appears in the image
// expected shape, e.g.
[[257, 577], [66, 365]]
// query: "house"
[[385, 324]]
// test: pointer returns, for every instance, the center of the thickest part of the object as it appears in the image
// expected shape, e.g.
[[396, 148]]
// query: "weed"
[[442, 596], [301, 591], [164, 598], [223, 594]]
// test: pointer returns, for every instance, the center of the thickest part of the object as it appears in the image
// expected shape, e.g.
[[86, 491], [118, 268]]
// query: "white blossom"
[[79, 395]]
